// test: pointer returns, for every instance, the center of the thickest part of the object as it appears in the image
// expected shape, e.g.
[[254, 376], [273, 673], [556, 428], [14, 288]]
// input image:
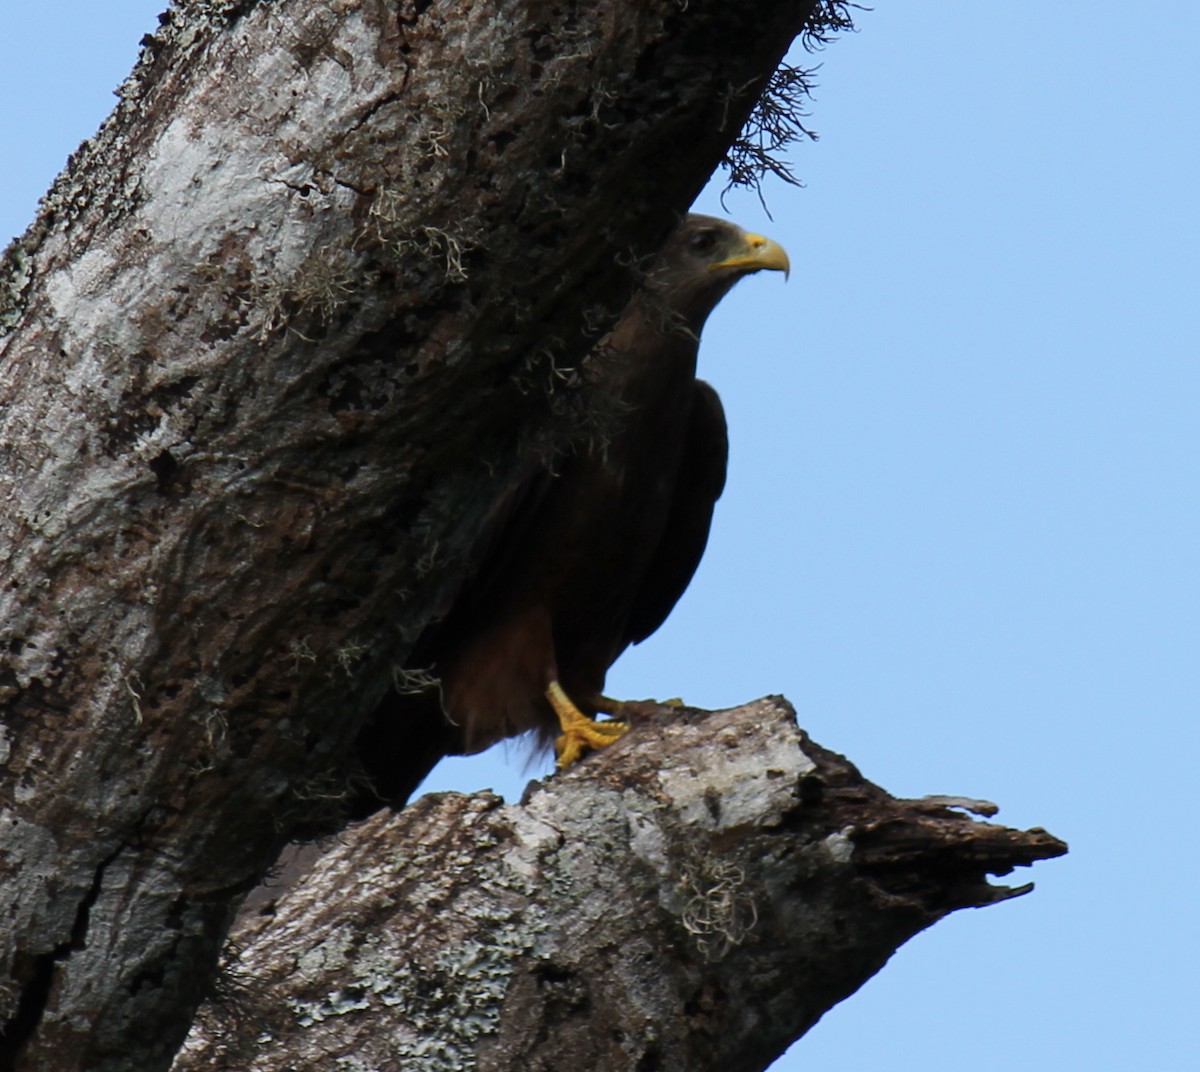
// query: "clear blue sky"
[[961, 531]]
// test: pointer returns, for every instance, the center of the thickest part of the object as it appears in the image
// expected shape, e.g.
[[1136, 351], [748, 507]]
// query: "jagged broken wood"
[[693, 898]]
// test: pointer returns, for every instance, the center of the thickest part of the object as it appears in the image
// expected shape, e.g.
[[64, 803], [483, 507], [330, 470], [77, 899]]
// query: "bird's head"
[[702, 259]]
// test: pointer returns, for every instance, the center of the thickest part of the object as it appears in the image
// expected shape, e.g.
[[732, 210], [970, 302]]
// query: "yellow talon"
[[579, 733], [622, 708]]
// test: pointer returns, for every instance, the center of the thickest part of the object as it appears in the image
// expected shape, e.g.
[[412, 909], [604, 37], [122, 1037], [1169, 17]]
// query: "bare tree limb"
[[693, 898]]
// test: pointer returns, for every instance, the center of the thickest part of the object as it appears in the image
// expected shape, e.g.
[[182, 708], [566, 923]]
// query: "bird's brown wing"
[[497, 550], [699, 484]]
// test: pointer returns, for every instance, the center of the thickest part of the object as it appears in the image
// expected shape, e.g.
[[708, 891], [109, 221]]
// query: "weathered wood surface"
[[691, 899], [278, 336]]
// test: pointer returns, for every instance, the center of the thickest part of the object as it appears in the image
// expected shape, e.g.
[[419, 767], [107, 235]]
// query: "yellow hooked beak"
[[757, 252]]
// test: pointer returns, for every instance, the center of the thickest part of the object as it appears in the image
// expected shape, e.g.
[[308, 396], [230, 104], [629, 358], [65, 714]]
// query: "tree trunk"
[[693, 898], [277, 340]]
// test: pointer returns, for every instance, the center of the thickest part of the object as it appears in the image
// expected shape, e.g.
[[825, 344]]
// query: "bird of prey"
[[593, 552]]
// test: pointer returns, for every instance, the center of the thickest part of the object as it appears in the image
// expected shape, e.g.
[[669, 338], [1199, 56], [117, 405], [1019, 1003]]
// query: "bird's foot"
[[633, 711], [580, 734]]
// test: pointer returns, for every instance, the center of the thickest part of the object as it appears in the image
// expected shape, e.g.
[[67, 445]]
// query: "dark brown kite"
[[591, 556]]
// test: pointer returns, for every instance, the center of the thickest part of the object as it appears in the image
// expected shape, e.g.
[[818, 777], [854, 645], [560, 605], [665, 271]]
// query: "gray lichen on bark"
[[692, 898]]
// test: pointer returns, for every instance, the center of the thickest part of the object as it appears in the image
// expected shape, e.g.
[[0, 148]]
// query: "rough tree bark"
[[690, 900], [276, 339]]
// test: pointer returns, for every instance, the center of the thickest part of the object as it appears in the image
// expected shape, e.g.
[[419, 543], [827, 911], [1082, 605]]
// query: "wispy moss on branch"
[[778, 119]]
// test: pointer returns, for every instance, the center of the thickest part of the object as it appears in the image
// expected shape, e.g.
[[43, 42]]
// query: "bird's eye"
[[703, 242]]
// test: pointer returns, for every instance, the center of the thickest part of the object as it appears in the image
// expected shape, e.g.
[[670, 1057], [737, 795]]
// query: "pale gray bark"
[[691, 899], [270, 350]]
